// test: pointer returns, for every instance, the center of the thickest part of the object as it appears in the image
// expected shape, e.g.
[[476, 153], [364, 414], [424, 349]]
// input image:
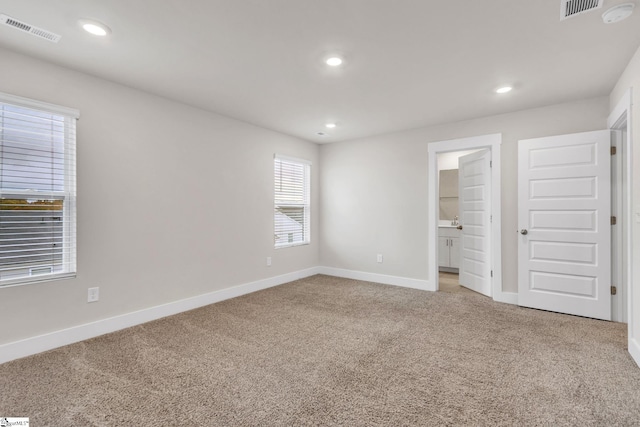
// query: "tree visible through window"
[[292, 201], [37, 191]]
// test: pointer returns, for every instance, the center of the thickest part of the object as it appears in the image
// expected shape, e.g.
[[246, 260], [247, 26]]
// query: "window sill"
[[35, 279], [292, 245]]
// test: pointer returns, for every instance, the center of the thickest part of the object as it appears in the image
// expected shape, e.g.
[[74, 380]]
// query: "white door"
[[474, 198], [564, 226]]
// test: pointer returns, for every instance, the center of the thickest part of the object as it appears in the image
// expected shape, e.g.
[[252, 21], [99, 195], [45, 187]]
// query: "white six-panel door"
[[474, 199], [564, 235]]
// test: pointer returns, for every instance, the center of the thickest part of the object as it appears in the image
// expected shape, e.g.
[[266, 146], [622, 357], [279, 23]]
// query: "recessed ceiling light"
[[94, 27], [504, 89], [334, 61], [330, 125]]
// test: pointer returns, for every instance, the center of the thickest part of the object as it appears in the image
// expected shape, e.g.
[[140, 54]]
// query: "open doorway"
[[620, 229], [490, 143], [621, 208], [449, 227]]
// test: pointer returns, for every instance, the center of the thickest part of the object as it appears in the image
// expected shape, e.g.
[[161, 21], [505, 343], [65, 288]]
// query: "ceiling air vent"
[[35, 31], [570, 8]]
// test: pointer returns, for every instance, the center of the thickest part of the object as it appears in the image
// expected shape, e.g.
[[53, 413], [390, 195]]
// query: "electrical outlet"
[[93, 294], [268, 261], [380, 258]]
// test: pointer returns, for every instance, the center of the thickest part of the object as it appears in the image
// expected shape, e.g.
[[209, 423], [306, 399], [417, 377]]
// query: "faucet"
[[455, 220]]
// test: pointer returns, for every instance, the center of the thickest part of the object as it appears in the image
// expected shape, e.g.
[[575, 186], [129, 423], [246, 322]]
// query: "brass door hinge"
[[614, 290], [613, 151], [614, 220]]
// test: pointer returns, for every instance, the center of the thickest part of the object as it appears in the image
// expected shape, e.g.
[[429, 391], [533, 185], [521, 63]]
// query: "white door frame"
[[491, 142], [618, 238], [621, 114]]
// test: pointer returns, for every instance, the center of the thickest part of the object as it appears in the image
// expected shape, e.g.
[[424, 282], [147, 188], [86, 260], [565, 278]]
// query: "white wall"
[[630, 78], [173, 202], [374, 190], [145, 157]]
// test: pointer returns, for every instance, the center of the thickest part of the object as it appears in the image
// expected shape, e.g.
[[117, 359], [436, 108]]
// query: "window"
[[291, 215], [37, 191]]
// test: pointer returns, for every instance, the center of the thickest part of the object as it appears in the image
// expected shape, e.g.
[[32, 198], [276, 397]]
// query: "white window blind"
[[37, 191], [292, 201]]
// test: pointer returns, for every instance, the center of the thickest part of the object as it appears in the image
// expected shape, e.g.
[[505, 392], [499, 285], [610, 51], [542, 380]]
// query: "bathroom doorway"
[[484, 233], [449, 227]]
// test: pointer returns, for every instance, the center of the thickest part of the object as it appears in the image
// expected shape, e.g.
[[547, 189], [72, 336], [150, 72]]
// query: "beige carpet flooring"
[[324, 351]]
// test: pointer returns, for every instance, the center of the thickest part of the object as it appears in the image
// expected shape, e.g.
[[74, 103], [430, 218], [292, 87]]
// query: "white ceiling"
[[408, 63]]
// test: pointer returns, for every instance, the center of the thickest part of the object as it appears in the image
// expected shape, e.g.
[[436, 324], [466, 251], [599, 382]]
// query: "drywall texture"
[[173, 202], [374, 190], [630, 79]]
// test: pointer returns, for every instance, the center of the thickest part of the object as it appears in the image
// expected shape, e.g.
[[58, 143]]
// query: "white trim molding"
[[405, 282], [622, 109], [634, 350], [277, 156], [27, 347], [38, 105], [621, 113]]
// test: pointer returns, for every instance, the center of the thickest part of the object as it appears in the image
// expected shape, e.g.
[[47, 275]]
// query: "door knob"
[[524, 231], [459, 227]]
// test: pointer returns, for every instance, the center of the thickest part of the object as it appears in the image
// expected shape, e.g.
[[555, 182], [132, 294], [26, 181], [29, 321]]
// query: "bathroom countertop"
[[445, 223]]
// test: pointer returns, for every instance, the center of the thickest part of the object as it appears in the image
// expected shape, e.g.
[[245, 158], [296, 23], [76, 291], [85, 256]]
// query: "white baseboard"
[[38, 344], [634, 350], [504, 297], [375, 277], [27, 347]]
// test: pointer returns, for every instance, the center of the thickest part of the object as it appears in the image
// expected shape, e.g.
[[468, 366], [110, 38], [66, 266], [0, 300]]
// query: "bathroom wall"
[[448, 183]]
